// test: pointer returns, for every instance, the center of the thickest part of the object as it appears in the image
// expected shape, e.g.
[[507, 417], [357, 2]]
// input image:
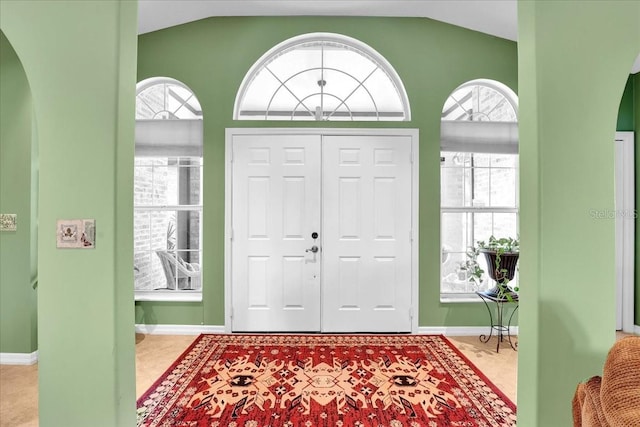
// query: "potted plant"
[[502, 256], [472, 268]]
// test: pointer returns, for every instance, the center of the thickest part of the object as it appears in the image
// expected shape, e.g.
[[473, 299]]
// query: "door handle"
[[313, 249]]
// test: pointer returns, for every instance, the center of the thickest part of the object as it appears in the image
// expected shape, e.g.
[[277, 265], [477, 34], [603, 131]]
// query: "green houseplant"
[[502, 256]]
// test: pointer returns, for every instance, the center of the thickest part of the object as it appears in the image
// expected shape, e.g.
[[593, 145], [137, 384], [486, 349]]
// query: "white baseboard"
[[453, 331], [219, 329], [19, 358], [179, 329], [637, 330]]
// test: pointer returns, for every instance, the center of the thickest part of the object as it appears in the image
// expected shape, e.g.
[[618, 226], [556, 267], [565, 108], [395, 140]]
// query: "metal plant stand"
[[499, 325]]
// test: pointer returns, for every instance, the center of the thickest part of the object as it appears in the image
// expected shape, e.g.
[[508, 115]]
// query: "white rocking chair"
[[178, 272]]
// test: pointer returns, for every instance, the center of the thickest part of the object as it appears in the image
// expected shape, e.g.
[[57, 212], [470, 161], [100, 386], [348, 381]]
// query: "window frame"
[[472, 210], [511, 98], [168, 152]]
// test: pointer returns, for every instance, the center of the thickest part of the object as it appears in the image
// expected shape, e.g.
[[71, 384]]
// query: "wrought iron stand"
[[499, 325]]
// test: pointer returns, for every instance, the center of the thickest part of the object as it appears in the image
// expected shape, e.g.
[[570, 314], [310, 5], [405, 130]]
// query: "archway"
[[18, 226], [85, 135]]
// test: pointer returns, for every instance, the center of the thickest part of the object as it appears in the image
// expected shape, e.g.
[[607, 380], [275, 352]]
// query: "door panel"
[[275, 208], [361, 189], [625, 220], [366, 234]]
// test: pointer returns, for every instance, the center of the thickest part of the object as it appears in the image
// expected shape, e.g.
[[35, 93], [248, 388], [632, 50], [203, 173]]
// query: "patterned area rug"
[[323, 381]]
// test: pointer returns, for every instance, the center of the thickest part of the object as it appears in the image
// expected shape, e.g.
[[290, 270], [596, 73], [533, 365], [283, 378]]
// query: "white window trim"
[[453, 298], [479, 209], [169, 208], [169, 296]]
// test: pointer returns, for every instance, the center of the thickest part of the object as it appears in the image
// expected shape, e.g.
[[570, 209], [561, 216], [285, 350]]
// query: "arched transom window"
[[322, 76], [165, 98], [481, 100]]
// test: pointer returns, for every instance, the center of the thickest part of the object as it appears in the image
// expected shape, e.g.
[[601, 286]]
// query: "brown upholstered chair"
[[612, 400]]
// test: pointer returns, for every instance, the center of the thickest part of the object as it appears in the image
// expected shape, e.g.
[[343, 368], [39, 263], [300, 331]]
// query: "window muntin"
[[167, 189], [479, 189], [162, 99], [481, 100], [479, 199], [322, 76], [167, 217]]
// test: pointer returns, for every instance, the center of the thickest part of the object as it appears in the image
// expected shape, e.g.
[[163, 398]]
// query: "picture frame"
[[8, 222], [76, 233]]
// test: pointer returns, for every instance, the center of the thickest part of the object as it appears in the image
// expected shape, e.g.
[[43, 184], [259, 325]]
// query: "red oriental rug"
[[323, 381]]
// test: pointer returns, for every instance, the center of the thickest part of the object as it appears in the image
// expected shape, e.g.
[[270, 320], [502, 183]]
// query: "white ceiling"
[[496, 17]]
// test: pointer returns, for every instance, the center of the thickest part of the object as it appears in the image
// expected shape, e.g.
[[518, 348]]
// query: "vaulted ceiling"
[[496, 17]]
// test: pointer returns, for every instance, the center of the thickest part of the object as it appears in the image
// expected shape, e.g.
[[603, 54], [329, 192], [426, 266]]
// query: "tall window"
[[479, 177], [167, 190], [322, 76]]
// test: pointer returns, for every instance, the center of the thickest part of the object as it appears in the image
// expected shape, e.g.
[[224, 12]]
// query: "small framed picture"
[[76, 233], [8, 222]]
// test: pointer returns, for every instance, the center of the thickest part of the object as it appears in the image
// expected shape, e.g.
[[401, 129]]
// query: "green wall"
[[18, 323], [574, 60], [213, 55], [80, 60]]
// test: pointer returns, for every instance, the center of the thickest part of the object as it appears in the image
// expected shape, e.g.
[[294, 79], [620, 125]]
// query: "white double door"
[[321, 233]]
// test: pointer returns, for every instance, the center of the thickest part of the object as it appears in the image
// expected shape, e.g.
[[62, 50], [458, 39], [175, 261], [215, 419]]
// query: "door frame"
[[228, 186], [624, 217]]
